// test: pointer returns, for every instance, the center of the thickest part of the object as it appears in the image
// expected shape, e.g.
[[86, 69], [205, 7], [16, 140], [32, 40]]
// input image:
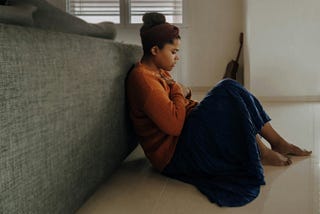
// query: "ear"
[[154, 50]]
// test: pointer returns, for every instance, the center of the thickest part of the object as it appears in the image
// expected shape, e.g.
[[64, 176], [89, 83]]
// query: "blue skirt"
[[217, 151]]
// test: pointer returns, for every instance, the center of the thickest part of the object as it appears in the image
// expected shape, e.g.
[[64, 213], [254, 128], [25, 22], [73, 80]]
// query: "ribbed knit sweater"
[[158, 112]]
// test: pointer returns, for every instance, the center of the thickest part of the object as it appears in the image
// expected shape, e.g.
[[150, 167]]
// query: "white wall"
[[283, 47], [212, 39]]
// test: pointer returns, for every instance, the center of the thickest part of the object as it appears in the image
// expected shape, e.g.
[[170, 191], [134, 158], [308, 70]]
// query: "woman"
[[213, 145]]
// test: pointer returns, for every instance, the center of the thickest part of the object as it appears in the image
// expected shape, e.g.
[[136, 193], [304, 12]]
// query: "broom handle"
[[241, 42]]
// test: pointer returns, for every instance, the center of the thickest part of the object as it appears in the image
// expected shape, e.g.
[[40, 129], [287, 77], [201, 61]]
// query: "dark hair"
[[150, 20]]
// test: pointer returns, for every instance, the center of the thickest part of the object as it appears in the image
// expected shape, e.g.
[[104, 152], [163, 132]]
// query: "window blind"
[[95, 10], [172, 9]]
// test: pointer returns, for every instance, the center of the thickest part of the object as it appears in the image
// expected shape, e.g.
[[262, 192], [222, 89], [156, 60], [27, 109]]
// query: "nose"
[[177, 58]]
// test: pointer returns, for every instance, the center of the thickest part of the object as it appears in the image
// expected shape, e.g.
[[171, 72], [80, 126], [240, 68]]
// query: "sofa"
[[64, 128]]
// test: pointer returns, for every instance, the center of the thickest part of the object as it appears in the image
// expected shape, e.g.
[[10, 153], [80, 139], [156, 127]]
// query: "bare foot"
[[269, 157], [285, 148]]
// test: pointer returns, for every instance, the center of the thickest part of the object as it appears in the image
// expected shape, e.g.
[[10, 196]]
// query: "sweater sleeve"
[[168, 113]]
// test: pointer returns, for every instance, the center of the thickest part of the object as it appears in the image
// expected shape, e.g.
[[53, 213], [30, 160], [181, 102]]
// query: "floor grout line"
[[314, 129], [316, 164]]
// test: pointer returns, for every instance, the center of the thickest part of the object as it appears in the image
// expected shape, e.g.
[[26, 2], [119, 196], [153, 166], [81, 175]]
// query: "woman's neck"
[[149, 63]]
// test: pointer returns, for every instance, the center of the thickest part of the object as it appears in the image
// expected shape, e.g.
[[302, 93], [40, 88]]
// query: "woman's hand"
[[169, 81], [185, 90]]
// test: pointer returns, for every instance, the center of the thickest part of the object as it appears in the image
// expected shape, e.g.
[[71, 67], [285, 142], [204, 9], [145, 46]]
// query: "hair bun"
[[152, 19]]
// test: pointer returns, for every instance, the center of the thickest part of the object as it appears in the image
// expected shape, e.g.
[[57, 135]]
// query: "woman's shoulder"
[[142, 79], [140, 74]]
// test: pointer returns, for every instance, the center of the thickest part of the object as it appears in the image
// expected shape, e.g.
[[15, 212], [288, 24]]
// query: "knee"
[[229, 81], [226, 83]]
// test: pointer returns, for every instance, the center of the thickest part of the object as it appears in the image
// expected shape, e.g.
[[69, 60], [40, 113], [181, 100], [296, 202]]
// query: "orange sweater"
[[158, 112]]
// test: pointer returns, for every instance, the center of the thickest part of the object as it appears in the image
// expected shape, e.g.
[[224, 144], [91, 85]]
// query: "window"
[[125, 11], [171, 9], [95, 11]]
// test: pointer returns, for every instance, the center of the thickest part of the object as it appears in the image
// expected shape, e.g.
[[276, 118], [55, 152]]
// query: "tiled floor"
[[137, 189]]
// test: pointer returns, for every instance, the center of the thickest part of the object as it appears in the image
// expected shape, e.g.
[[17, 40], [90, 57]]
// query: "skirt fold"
[[217, 150]]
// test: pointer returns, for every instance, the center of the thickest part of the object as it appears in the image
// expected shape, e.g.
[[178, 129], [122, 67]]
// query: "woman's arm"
[[186, 91], [168, 113]]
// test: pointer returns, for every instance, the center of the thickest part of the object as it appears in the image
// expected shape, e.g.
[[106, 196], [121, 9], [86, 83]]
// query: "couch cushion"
[[20, 14], [49, 17]]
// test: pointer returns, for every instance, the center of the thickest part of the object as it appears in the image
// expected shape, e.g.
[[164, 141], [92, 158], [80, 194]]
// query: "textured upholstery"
[[63, 127]]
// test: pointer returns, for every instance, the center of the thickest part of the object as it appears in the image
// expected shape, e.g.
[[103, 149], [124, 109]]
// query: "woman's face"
[[167, 57]]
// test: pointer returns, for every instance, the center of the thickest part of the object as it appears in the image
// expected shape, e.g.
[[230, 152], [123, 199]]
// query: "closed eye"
[[174, 51]]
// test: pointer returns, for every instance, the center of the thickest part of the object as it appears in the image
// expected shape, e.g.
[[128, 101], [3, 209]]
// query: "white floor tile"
[[135, 188], [293, 121]]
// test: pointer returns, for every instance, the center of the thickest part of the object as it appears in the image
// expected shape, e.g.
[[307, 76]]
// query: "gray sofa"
[[63, 123]]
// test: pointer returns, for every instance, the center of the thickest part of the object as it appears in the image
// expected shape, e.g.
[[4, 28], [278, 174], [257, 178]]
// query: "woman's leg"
[[258, 115], [269, 157], [279, 144]]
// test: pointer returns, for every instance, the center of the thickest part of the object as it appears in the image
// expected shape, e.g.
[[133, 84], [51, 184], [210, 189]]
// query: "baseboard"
[[289, 98]]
